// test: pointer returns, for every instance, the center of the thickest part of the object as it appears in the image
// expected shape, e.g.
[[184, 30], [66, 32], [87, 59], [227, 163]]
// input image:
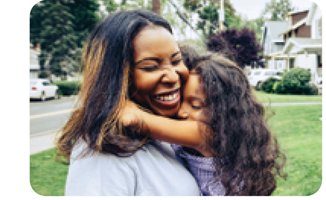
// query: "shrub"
[[42, 74], [68, 88], [268, 84], [296, 81], [313, 89], [279, 89]]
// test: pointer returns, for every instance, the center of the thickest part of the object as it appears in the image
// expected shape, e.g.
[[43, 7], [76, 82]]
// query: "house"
[[303, 42], [34, 66], [273, 44]]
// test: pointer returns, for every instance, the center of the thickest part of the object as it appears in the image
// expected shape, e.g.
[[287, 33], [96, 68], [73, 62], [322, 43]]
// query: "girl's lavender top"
[[202, 168]]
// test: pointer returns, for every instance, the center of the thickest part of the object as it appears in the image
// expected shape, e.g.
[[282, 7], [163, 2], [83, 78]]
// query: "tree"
[[276, 10], [207, 11], [57, 36], [239, 22], [156, 6], [84, 19], [240, 46], [61, 27]]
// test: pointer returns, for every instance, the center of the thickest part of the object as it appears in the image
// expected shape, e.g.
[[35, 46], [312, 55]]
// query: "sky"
[[245, 7]]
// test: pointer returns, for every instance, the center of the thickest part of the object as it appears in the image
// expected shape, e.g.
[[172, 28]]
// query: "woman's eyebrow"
[[148, 58], [196, 98], [176, 53]]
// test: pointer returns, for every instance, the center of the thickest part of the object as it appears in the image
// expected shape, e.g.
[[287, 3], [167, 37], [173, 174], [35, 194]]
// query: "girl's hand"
[[131, 115]]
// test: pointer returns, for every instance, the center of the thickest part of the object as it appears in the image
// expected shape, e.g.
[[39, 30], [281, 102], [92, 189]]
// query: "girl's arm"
[[185, 133]]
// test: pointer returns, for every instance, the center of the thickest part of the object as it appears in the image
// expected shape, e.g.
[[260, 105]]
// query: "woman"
[[129, 55], [233, 152]]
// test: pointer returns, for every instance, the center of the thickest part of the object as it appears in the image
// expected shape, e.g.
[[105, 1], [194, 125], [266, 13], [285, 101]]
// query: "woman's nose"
[[170, 76], [182, 113]]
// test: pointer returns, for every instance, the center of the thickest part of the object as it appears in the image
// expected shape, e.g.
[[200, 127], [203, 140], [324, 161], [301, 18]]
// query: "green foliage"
[[68, 88], [268, 84], [313, 89], [207, 11], [276, 10], [296, 81], [279, 89], [84, 19], [61, 27], [42, 74]]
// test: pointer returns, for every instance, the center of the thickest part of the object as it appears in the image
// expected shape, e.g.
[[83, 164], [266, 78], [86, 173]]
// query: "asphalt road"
[[50, 115]]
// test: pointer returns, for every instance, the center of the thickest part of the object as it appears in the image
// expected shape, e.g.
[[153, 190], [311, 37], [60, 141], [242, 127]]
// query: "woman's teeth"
[[167, 97]]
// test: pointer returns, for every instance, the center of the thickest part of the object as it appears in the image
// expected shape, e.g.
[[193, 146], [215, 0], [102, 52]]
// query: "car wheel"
[[257, 86], [43, 96], [57, 95]]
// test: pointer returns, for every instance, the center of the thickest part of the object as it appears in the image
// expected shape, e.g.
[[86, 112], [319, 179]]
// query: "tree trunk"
[[156, 6]]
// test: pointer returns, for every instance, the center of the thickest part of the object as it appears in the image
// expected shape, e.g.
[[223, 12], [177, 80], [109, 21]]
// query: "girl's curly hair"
[[246, 154]]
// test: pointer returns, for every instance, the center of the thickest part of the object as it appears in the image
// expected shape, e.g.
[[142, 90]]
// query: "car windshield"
[[257, 73], [268, 73]]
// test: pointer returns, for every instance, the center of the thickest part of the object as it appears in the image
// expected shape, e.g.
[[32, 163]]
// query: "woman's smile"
[[169, 99]]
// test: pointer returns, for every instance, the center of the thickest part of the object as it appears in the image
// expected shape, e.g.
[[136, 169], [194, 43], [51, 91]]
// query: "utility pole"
[[221, 16]]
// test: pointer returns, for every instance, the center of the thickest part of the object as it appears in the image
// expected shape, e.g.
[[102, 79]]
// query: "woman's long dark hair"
[[246, 154], [107, 59]]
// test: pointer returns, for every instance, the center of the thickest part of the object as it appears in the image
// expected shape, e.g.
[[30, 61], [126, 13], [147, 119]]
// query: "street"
[[51, 115]]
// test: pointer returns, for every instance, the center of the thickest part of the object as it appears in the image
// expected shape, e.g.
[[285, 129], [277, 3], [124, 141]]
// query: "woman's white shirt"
[[154, 171]]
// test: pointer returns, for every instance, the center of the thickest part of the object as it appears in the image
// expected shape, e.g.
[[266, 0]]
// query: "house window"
[[319, 28]]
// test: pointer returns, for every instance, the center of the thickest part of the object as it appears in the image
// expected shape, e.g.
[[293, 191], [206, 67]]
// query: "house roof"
[[275, 28], [295, 12], [299, 45], [295, 26]]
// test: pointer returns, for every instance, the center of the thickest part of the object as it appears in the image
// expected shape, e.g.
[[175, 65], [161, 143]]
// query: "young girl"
[[230, 149]]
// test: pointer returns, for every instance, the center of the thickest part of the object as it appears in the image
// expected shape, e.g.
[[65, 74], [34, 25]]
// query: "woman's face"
[[158, 71], [193, 100]]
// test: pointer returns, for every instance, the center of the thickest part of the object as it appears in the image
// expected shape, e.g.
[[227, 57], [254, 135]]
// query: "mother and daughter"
[[196, 127]]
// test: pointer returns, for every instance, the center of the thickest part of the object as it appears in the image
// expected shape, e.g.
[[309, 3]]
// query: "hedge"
[[268, 84], [68, 87], [296, 81]]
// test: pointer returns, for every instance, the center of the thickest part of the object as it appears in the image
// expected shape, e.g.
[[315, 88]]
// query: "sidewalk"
[[45, 140], [42, 142]]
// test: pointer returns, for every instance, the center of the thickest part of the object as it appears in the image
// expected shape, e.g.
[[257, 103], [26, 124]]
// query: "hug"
[[158, 119]]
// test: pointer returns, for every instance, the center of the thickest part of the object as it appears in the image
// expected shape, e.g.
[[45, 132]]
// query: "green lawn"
[[277, 98], [47, 177], [299, 132]]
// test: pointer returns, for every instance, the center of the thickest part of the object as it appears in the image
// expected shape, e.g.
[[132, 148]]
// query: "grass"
[[277, 98], [47, 177], [299, 133]]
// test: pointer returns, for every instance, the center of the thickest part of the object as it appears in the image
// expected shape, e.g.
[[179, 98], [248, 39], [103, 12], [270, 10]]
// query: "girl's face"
[[193, 100], [158, 71]]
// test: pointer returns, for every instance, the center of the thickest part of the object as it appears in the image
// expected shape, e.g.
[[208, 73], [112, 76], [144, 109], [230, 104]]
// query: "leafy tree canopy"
[[207, 11], [275, 10], [240, 46]]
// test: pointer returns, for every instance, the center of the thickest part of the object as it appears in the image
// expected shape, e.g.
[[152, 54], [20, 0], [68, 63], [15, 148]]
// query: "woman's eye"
[[196, 107], [176, 62], [150, 68]]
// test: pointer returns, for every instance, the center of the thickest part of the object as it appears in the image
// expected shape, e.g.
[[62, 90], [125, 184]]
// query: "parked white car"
[[258, 76], [42, 89]]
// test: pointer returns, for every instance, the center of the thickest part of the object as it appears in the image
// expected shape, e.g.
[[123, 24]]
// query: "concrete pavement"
[[44, 141]]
